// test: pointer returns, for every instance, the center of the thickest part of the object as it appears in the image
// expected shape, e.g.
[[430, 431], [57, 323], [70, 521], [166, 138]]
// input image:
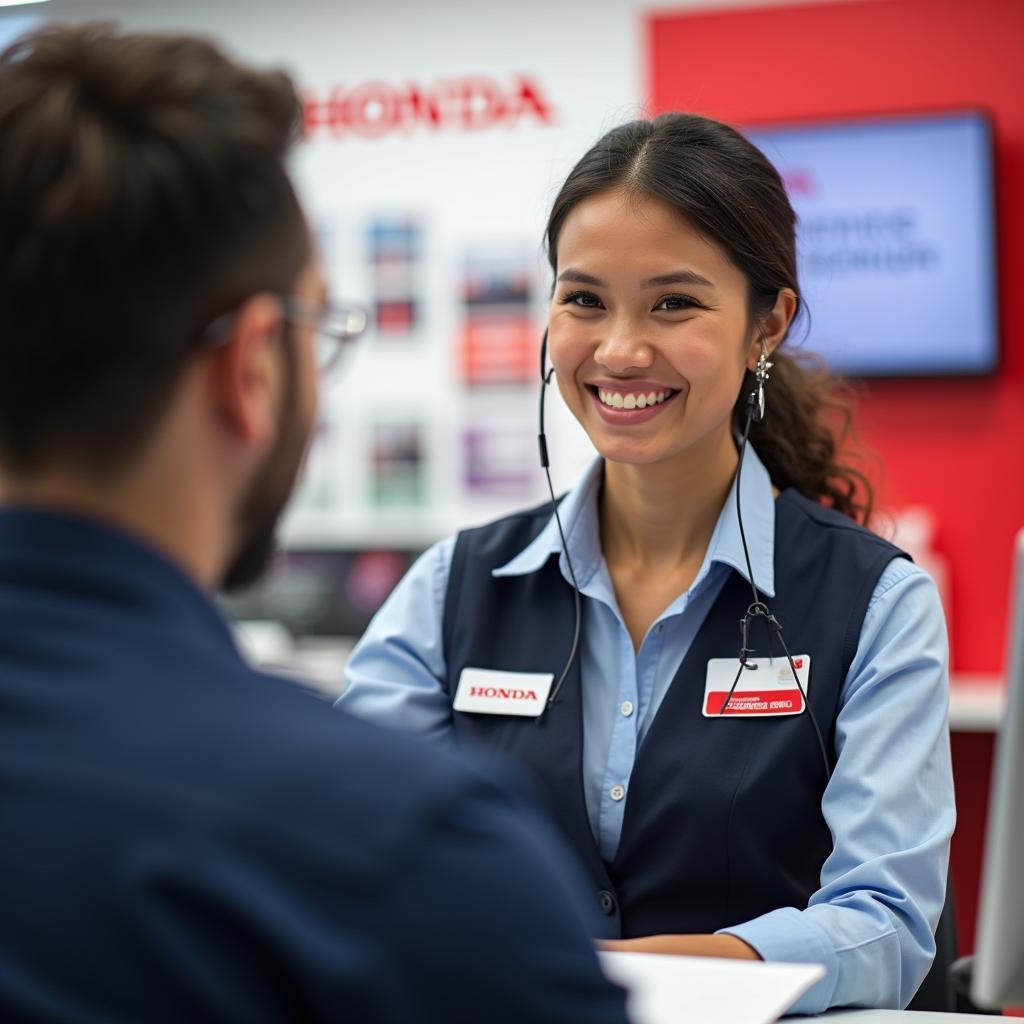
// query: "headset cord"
[[758, 609], [545, 464]]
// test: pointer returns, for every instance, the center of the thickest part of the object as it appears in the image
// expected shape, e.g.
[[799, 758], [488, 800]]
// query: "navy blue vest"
[[723, 816]]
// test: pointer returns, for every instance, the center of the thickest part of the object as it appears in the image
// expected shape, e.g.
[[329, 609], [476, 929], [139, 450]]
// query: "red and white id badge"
[[766, 690]]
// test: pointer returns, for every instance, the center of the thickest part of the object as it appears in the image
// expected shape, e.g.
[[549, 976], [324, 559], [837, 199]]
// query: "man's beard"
[[263, 506]]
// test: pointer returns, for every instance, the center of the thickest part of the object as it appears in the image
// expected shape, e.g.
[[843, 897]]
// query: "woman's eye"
[[585, 300], [675, 303]]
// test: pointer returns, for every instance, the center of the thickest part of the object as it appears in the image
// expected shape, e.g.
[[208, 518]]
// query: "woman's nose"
[[623, 350]]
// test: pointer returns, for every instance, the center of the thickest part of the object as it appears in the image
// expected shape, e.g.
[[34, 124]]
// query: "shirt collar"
[[579, 513]]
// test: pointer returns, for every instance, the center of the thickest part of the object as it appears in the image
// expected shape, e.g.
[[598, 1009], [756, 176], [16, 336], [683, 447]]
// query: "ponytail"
[[807, 427]]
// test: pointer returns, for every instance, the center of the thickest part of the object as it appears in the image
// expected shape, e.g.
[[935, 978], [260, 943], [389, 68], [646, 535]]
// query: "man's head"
[[143, 197]]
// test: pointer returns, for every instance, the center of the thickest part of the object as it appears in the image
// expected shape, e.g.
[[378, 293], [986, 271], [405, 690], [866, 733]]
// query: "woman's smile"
[[630, 403]]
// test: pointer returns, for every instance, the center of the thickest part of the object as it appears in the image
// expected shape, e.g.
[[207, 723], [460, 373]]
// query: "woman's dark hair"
[[143, 191], [727, 188]]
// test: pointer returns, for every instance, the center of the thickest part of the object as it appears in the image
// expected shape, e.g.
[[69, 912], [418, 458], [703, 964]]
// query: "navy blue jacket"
[[723, 819], [184, 839]]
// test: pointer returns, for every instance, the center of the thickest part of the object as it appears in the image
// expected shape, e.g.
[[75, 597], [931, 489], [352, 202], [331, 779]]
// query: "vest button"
[[606, 901]]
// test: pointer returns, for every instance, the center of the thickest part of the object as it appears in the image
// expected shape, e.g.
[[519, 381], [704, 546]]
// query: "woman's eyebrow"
[[676, 277], [578, 277]]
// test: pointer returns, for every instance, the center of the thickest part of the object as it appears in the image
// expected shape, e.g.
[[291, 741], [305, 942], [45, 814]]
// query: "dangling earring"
[[761, 377]]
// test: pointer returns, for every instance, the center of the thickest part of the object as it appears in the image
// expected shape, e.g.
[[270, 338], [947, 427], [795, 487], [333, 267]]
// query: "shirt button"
[[659, 627], [606, 901], [626, 708], [617, 792]]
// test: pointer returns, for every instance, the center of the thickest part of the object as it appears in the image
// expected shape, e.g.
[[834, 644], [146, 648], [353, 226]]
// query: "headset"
[[758, 609]]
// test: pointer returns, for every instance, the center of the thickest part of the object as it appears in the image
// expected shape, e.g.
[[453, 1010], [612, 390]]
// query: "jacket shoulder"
[[527, 516], [501, 539], [801, 512]]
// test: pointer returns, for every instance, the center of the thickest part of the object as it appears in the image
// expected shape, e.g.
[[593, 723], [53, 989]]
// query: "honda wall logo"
[[473, 103]]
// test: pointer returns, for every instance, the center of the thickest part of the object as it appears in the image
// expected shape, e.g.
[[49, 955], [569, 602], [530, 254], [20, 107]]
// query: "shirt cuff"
[[788, 936]]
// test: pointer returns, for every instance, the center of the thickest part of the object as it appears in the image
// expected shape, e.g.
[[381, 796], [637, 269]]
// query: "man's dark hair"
[[143, 192]]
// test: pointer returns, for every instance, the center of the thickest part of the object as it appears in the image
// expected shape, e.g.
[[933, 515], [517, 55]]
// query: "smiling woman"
[[702, 815], [639, 329], [695, 195]]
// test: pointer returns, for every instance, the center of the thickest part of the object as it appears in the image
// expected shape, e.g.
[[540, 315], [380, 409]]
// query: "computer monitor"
[[999, 960]]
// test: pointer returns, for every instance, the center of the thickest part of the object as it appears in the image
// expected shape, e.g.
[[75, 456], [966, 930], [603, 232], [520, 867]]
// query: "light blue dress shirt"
[[889, 804]]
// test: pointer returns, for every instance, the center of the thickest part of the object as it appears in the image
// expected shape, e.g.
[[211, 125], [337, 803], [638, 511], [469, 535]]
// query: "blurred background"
[[437, 135]]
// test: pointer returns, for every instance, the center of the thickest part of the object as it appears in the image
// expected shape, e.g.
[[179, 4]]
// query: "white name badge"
[[768, 689], [484, 691]]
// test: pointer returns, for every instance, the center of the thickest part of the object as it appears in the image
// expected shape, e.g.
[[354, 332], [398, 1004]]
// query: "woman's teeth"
[[631, 400]]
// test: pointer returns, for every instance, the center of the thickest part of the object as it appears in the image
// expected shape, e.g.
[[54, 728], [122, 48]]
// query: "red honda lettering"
[[471, 103], [530, 99]]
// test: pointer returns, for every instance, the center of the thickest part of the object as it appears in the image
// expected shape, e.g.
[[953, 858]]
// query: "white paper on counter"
[[702, 990]]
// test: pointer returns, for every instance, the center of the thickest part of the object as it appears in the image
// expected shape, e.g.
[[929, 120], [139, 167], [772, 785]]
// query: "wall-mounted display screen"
[[895, 239]]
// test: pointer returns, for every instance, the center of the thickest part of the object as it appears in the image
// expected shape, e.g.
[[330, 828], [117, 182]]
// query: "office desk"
[[976, 702], [895, 1017]]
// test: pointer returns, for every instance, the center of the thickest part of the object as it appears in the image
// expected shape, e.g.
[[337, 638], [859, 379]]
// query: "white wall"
[[487, 189]]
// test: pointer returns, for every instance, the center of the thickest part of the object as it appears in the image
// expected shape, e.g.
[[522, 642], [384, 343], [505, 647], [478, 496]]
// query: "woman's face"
[[648, 329]]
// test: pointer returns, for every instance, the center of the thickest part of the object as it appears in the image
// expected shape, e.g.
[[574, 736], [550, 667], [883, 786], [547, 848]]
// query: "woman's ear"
[[773, 326]]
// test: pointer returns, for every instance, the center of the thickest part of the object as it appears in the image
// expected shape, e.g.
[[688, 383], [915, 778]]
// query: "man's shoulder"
[[318, 735], [440, 862], [321, 771]]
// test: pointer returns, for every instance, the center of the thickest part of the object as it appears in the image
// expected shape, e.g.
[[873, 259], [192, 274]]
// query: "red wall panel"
[[953, 445]]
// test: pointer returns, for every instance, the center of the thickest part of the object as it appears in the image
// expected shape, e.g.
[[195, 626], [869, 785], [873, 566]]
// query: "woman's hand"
[[726, 946]]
